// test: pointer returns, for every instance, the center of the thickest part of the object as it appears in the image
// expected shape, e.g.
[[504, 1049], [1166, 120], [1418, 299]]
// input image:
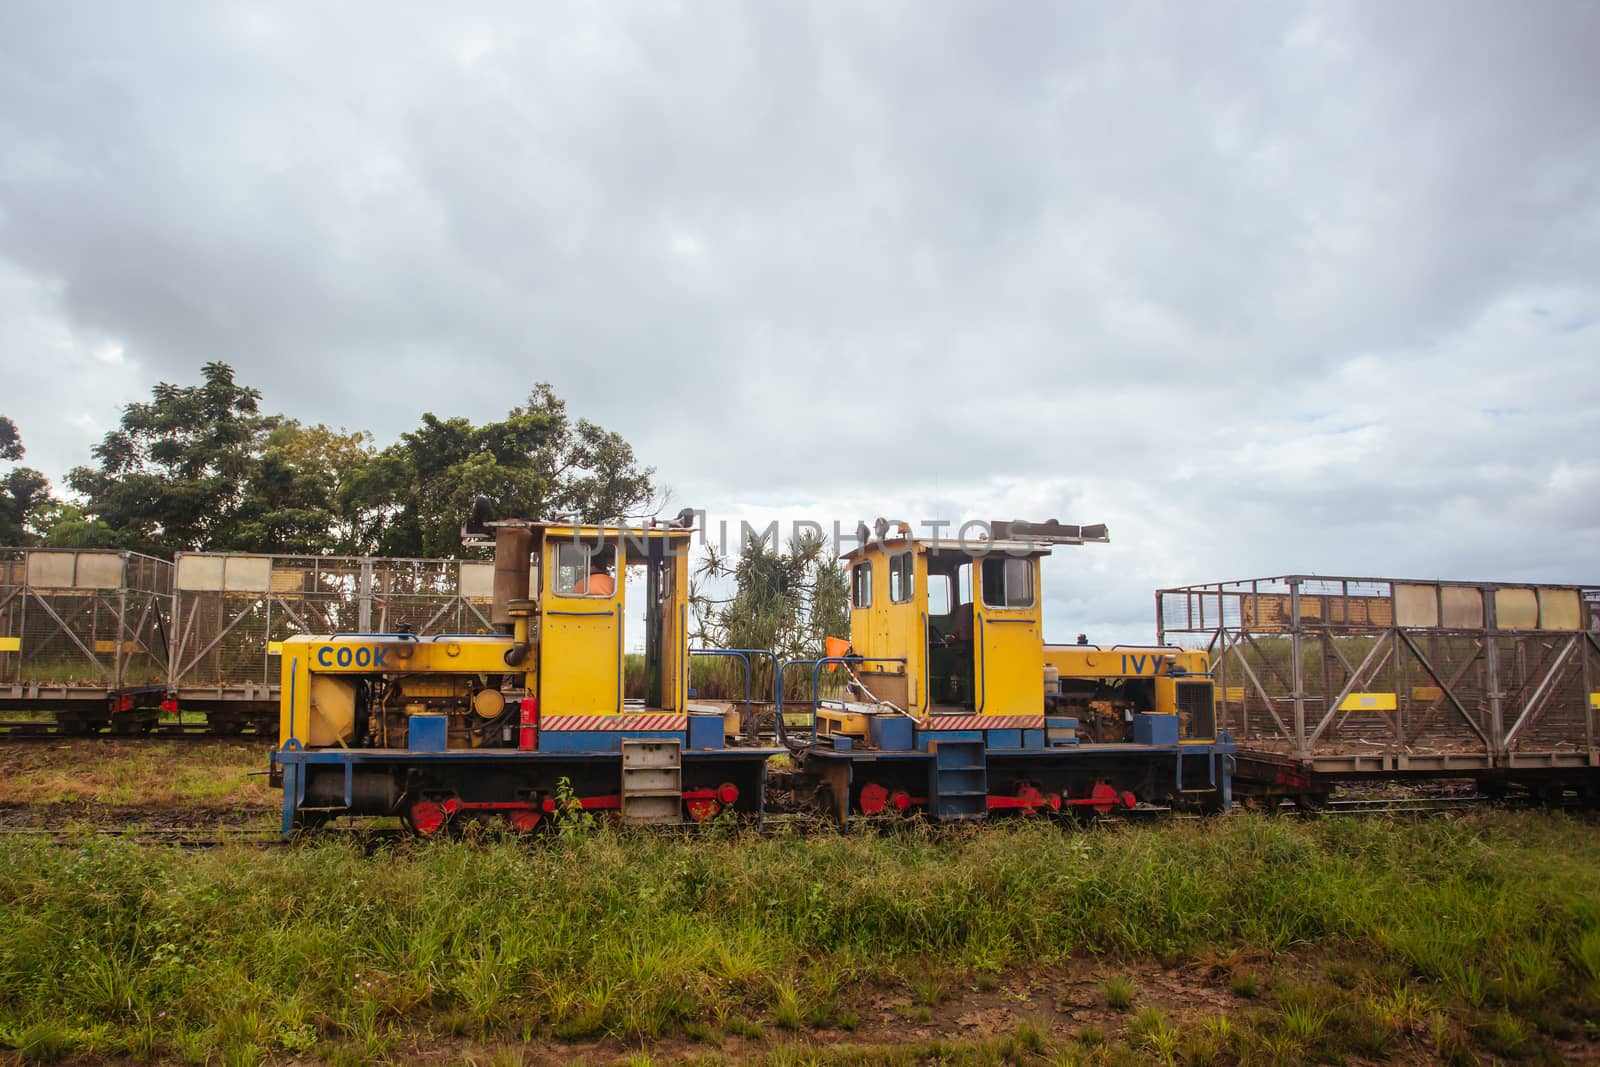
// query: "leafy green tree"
[[10, 441], [293, 502], [64, 525], [24, 492], [536, 463], [202, 468], [176, 475]]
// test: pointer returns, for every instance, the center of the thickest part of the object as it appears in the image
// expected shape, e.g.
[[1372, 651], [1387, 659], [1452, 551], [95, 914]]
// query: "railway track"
[[34, 730]]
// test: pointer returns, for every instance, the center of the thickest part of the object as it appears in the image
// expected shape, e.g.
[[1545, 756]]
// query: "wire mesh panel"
[[1349, 667], [432, 595], [232, 610], [90, 619]]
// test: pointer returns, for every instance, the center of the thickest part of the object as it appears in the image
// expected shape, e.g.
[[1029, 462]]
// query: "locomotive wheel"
[[525, 822], [427, 817]]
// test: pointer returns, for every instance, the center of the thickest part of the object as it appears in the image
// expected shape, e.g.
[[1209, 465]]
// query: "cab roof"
[[1015, 538]]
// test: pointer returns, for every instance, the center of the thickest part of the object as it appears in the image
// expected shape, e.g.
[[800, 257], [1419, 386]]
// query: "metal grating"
[[1337, 667], [82, 619], [230, 609]]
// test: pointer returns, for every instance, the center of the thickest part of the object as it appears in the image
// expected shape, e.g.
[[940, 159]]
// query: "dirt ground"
[[132, 782]]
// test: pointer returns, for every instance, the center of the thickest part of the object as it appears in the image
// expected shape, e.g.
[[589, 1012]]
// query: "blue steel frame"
[[816, 683], [292, 758], [744, 655]]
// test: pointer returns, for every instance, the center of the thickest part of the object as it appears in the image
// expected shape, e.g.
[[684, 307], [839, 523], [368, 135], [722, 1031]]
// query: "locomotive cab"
[[954, 627]]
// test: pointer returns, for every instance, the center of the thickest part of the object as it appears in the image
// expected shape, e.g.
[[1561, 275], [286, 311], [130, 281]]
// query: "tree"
[[295, 489], [200, 468], [537, 463], [24, 492], [176, 476], [10, 441], [786, 601]]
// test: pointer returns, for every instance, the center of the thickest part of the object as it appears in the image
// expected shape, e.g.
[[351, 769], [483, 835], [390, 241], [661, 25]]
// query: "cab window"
[[938, 594], [1007, 582], [584, 570], [901, 570], [861, 585]]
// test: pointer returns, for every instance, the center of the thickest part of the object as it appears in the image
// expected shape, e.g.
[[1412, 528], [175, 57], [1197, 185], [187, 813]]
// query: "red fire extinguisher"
[[528, 738]]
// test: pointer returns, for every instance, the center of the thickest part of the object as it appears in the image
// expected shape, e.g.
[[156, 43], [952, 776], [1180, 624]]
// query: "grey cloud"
[[917, 252]]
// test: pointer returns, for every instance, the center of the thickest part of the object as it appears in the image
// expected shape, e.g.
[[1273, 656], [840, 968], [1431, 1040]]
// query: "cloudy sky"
[[1266, 287]]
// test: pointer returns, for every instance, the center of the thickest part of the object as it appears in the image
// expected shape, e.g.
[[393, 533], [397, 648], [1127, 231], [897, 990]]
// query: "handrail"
[[353, 633], [816, 682], [743, 655], [927, 665], [977, 645]]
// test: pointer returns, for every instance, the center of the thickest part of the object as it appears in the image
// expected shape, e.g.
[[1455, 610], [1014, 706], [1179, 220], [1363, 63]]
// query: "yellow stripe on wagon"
[[1369, 702]]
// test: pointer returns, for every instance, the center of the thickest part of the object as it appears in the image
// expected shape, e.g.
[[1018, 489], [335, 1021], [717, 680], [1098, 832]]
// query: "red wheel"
[[524, 822], [428, 818], [701, 808], [1105, 797]]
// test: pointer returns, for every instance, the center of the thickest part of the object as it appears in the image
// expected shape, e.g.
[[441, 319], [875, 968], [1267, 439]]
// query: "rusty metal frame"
[[1519, 674]]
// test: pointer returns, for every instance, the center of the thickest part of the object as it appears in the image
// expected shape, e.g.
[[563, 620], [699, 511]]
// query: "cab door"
[[1008, 636], [580, 629]]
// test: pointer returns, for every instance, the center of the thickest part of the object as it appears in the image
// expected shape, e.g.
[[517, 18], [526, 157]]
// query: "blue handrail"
[[743, 655], [816, 683]]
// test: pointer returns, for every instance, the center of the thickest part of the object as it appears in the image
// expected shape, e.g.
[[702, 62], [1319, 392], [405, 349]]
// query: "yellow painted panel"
[[1078, 661], [579, 650], [1233, 694], [1369, 702], [274, 648], [1425, 694], [1516, 609], [10, 644], [111, 646], [1559, 610], [848, 723], [1010, 656], [1594, 700]]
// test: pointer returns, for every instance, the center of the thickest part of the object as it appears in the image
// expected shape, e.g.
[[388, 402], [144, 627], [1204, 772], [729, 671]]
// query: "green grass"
[[1118, 990], [221, 776], [324, 951]]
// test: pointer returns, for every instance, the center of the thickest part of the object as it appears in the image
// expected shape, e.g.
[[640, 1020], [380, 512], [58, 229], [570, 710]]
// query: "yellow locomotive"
[[510, 725]]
